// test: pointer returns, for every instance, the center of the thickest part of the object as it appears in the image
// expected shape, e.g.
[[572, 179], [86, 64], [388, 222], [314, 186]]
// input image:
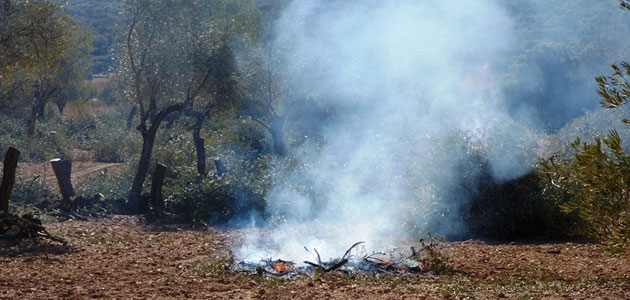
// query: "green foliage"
[[34, 36], [597, 180], [104, 136], [44, 58], [71, 81], [111, 141], [172, 47], [210, 199], [113, 184], [615, 89], [29, 191], [42, 147]]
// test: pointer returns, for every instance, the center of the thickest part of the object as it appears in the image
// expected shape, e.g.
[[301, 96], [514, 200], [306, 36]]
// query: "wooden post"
[[8, 177], [63, 170], [156, 187], [220, 167]]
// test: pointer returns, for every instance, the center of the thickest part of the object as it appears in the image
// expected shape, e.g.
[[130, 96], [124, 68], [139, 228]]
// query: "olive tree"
[[33, 38], [43, 54], [169, 58]]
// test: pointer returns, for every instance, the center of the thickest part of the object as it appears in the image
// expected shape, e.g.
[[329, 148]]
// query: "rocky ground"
[[124, 258]]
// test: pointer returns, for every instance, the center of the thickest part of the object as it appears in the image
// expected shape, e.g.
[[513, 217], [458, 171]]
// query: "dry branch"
[[344, 260]]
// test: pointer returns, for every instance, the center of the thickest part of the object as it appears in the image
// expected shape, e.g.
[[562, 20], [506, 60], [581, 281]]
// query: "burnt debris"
[[349, 263]]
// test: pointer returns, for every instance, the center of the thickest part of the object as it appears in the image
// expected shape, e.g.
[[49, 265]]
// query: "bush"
[[597, 180], [116, 147], [209, 199], [26, 192], [114, 185], [214, 201]]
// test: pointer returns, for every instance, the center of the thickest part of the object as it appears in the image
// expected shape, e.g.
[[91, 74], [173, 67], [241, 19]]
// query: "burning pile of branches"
[[349, 263]]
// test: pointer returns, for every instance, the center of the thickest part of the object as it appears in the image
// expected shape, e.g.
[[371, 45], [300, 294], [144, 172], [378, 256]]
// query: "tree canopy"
[[34, 38]]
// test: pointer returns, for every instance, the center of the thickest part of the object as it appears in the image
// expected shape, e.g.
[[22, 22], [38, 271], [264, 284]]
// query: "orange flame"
[[280, 266]]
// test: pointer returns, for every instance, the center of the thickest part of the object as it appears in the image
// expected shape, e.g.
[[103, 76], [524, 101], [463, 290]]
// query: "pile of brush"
[[26, 226], [361, 262], [69, 209]]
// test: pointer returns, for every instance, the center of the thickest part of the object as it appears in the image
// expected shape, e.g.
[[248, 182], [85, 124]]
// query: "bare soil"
[[124, 258]]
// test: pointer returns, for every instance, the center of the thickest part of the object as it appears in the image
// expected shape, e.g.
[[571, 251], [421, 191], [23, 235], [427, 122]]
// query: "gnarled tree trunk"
[[148, 141]]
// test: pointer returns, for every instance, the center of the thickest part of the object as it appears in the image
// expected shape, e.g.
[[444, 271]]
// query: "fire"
[[281, 266]]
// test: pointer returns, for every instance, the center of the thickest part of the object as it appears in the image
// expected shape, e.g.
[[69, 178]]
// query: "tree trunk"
[[148, 140], [8, 177], [135, 205], [200, 147], [63, 171], [40, 113], [61, 105], [30, 131], [276, 131], [156, 187], [36, 112], [132, 113]]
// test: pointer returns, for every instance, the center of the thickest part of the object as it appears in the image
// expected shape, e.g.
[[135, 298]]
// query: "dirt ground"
[[123, 258]]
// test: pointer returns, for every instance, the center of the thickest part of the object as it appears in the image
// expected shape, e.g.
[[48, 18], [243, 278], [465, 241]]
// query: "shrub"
[[114, 185], [209, 198], [26, 192], [597, 180], [41, 147]]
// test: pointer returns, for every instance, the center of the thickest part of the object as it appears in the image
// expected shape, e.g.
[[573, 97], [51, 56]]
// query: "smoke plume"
[[414, 97]]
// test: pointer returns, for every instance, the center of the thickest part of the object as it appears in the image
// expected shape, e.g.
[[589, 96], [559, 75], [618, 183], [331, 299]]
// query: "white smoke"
[[412, 89]]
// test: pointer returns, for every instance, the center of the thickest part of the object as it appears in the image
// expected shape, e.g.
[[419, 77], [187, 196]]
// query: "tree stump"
[[8, 177], [63, 170], [156, 187]]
